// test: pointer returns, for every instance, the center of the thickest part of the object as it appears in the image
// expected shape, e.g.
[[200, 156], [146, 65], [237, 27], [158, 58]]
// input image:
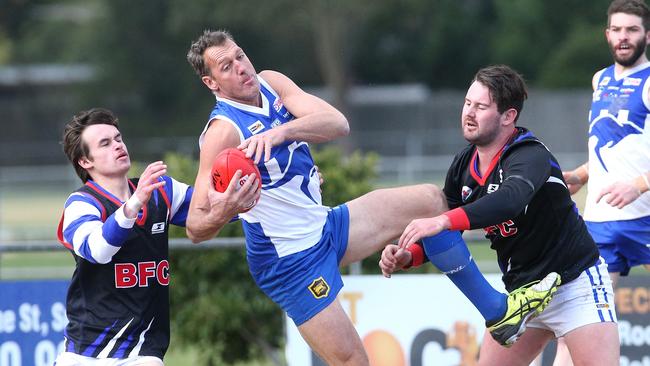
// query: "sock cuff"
[[441, 242]]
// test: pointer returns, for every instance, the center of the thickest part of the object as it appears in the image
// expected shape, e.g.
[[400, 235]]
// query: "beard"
[[482, 137], [639, 49]]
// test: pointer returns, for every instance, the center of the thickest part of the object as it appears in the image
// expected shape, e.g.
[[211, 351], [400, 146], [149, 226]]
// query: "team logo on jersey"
[[605, 81], [609, 131], [632, 81], [319, 288], [492, 188], [277, 105], [465, 193], [256, 127], [158, 228]]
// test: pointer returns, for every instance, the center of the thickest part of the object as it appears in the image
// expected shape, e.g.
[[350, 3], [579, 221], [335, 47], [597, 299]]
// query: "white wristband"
[[133, 204]]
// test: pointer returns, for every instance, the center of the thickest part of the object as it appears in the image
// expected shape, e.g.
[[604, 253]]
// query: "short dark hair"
[[507, 87], [208, 39], [633, 7], [73, 145]]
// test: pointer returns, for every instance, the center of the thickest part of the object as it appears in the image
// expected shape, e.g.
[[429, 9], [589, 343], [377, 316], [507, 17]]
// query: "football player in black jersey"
[[509, 184], [117, 230]]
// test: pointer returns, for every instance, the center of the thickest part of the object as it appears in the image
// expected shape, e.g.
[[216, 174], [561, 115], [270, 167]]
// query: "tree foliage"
[[138, 48], [216, 306]]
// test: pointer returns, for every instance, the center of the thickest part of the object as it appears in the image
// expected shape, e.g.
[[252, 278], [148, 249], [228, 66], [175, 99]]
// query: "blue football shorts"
[[306, 282], [623, 244]]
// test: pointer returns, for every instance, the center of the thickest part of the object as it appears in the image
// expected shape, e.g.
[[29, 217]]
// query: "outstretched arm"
[[316, 120]]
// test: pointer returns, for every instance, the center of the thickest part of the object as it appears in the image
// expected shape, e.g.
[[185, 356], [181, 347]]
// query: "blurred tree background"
[[137, 48]]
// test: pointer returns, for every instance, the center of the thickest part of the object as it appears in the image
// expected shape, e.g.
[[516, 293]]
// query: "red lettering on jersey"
[[162, 272], [490, 230], [129, 275], [125, 275], [506, 229], [146, 271]]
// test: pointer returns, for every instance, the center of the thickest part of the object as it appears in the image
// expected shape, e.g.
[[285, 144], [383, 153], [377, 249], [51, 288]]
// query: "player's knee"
[[352, 356], [435, 197]]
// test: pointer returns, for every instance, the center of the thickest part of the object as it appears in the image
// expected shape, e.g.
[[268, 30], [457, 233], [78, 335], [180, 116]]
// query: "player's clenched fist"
[[393, 259]]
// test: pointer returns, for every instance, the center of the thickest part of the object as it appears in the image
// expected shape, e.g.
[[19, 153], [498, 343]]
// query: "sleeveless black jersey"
[[121, 309], [524, 207]]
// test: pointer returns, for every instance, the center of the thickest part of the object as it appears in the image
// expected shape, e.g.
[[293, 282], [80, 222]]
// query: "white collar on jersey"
[[264, 110], [631, 71]]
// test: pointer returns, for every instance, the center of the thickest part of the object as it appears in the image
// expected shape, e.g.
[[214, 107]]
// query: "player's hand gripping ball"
[[227, 163]]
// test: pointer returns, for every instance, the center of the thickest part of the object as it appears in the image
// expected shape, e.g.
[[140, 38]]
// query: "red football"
[[227, 163]]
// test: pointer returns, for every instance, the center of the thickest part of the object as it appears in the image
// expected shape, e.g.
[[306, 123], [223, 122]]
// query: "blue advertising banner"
[[32, 319]]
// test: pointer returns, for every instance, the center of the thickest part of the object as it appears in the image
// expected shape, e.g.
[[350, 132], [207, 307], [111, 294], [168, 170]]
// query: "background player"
[[508, 183], [295, 244], [617, 209], [117, 230]]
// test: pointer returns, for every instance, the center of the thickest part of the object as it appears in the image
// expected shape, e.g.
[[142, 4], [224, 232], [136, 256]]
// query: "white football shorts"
[[586, 300]]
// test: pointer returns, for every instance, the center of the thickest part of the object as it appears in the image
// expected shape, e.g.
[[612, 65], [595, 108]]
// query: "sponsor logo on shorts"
[[319, 288]]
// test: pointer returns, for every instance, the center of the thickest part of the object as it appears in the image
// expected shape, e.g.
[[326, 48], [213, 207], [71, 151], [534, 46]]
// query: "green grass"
[[30, 213]]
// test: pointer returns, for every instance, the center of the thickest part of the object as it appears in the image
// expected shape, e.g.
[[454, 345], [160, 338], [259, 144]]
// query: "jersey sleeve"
[[452, 184], [92, 239], [180, 195], [525, 169]]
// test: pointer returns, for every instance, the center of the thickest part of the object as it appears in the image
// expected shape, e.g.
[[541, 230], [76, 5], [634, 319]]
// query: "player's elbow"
[[194, 236], [344, 126]]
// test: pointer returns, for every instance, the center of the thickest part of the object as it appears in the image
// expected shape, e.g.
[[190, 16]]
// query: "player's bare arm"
[[576, 178], [316, 120], [211, 210], [422, 228]]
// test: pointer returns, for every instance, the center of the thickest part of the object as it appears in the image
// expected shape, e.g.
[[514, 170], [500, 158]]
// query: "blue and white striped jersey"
[[118, 300]]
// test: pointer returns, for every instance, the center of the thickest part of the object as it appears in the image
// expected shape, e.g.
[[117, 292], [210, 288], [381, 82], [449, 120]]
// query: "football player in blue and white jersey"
[[617, 209], [294, 243], [117, 229]]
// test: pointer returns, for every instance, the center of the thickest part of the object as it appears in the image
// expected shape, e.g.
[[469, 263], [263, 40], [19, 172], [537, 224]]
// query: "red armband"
[[458, 218], [417, 255]]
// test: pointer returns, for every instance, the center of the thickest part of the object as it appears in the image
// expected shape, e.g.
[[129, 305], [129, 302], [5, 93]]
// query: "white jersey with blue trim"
[[619, 140], [289, 216]]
